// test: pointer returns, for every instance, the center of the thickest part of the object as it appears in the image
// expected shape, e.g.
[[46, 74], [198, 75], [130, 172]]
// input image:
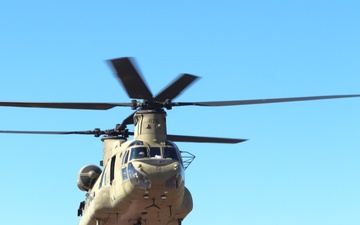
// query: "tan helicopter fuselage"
[[142, 181]]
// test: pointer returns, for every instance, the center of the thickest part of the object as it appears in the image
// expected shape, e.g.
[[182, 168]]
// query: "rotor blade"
[[175, 88], [180, 138], [47, 132], [260, 101], [65, 105], [128, 120], [131, 79]]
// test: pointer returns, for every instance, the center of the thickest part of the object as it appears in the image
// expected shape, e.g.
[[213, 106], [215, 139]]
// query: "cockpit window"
[[136, 142], [170, 153], [155, 152], [138, 153], [170, 144]]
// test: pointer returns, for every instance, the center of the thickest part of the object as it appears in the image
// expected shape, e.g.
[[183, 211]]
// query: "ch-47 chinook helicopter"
[[142, 180]]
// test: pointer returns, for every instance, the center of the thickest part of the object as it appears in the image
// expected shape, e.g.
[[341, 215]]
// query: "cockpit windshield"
[[155, 153], [169, 151], [138, 153]]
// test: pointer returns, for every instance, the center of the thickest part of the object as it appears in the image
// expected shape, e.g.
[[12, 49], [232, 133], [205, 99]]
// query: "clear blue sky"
[[301, 164]]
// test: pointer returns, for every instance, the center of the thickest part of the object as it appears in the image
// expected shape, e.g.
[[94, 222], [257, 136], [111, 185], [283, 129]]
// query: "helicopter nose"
[[146, 175]]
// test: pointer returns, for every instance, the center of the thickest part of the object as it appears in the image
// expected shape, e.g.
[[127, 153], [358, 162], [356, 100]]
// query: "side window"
[[124, 159], [104, 180], [124, 174], [101, 179], [112, 169], [123, 170]]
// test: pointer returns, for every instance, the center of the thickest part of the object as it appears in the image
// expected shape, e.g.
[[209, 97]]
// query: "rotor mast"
[[150, 125]]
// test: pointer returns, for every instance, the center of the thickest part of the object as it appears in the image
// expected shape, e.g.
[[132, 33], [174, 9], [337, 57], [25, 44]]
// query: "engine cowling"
[[87, 177]]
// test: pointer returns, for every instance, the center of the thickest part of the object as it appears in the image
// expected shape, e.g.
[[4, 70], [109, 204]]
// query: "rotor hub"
[[149, 105]]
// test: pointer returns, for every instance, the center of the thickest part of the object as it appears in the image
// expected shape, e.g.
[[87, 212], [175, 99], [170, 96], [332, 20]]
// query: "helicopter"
[[141, 181]]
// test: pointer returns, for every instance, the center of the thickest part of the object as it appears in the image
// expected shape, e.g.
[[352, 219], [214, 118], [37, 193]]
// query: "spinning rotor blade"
[[66, 105], [128, 120], [45, 132], [175, 88], [180, 138], [98, 132], [260, 101], [131, 79]]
